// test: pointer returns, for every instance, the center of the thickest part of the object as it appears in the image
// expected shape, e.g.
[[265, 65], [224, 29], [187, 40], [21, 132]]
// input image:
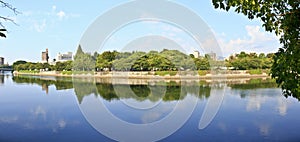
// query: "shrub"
[[256, 71]]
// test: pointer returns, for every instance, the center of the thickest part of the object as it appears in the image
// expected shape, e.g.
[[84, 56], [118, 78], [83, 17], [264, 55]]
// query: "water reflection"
[[87, 86], [1, 79], [252, 110]]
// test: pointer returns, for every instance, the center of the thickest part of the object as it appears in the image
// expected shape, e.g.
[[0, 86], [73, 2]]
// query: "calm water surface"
[[47, 109]]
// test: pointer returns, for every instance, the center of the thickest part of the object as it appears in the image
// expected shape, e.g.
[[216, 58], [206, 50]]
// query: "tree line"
[[244, 61], [59, 66], [166, 60]]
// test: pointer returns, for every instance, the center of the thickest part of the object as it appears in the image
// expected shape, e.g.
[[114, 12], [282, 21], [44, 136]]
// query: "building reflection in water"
[[45, 88], [1, 79]]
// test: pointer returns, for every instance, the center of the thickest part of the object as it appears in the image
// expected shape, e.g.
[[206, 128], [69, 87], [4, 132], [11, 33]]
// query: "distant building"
[[64, 57], [220, 58], [212, 55], [196, 54], [45, 56], [1, 61]]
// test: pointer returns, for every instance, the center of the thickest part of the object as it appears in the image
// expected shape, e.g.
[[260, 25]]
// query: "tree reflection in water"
[[167, 91]]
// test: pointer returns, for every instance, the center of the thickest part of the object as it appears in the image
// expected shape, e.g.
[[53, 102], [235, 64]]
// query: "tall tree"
[[78, 52], [283, 17], [83, 61], [105, 60]]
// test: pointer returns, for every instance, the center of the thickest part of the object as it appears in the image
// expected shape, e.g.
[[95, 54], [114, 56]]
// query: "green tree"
[[47, 66], [78, 52], [105, 60], [201, 63], [61, 66], [262, 55], [83, 61], [244, 61], [153, 61], [179, 59], [283, 17], [142, 64], [68, 65], [16, 65], [39, 66], [125, 61]]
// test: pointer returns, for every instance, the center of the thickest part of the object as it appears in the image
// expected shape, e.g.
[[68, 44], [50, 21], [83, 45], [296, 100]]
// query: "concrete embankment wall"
[[151, 75]]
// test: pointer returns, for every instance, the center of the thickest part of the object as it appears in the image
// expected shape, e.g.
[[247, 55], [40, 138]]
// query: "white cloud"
[[39, 111], [54, 7], [62, 123], [282, 106], [254, 103], [256, 41], [40, 26], [172, 29], [9, 119], [222, 126], [151, 117], [264, 129], [61, 14], [40, 20], [27, 13]]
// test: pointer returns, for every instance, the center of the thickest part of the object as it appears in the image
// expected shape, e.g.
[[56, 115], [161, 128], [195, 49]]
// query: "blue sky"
[[59, 25]]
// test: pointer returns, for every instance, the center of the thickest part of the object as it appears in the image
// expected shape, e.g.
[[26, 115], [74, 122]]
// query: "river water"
[[48, 109]]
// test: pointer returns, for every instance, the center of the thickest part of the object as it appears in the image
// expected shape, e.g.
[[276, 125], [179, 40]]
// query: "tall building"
[[196, 54], [212, 55], [45, 56], [64, 57], [1, 61]]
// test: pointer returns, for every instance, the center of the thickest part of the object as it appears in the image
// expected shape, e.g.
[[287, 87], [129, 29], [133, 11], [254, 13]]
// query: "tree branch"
[[6, 18], [9, 6]]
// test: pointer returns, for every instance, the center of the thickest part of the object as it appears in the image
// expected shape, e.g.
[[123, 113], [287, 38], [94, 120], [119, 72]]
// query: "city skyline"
[[59, 25]]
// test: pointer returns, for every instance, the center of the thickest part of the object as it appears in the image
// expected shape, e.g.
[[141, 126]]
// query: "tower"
[[196, 54], [1, 61], [45, 56]]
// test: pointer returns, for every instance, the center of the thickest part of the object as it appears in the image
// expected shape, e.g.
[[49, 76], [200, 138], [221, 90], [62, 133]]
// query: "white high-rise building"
[[196, 54], [64, 57]]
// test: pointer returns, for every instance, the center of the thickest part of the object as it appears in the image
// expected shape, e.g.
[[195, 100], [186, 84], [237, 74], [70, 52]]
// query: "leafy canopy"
[[282, 17]]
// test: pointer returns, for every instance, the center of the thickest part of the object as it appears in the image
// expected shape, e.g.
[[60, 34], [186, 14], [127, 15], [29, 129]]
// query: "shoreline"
[[145, 75]]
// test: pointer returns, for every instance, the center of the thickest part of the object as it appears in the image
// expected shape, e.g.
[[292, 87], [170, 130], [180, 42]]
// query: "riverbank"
[[188, 75]]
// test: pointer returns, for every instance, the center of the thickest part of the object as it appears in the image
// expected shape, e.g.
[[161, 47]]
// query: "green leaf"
[[216, 5], [222, 6]]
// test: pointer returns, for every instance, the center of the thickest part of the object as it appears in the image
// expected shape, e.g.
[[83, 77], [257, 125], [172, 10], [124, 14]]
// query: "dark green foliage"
[[1, 33], [105, 60], [283, 17], [244, 61], [63, 66], [83, 61], [254, 83], [166, 60], [167, 91], [152, 61], [59, 66], [23, 65]]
